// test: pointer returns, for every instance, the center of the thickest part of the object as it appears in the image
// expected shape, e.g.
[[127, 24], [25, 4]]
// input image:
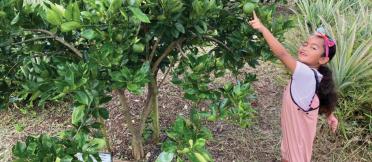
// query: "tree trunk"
[[155, 110], [137, 144]]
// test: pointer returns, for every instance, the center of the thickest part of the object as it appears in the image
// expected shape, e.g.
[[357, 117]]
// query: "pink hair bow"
[[328, 42]]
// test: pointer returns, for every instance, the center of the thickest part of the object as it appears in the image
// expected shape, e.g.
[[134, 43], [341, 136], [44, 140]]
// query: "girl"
[[309, 92]]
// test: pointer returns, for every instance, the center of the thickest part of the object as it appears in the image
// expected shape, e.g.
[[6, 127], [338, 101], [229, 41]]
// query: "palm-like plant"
[[352, 65], [350, 24]]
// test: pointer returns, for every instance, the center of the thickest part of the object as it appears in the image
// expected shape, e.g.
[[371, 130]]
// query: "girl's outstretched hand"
[[332, 122], [256, 23]]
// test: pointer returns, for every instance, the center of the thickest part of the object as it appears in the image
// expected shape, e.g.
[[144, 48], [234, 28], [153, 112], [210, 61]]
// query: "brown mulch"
[[231, 143]]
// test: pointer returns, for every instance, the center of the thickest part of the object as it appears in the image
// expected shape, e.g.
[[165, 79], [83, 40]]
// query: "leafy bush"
[[186, 140], [63, 148]]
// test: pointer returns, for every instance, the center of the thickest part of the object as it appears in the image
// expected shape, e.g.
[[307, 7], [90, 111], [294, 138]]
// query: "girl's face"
[[311, 51]]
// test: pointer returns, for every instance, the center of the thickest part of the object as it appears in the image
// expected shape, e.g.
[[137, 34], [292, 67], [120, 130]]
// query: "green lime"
[[119, 37], [248, 8], [2, 14], [138, 47]]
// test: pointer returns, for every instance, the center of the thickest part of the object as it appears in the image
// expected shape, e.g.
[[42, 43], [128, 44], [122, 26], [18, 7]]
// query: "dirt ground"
[[260, 142]]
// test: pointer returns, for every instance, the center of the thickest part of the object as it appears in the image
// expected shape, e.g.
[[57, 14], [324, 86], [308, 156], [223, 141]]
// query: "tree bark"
[[137, 142], [155, 110]]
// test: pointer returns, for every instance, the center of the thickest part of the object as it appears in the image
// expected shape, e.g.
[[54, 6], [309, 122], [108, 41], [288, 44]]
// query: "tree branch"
[[218, 42], [126, 112], [151, 93], [183, 55], [28, 40], [146, 111], [154, 47], [60, 40], [166, 74], [166, 53]]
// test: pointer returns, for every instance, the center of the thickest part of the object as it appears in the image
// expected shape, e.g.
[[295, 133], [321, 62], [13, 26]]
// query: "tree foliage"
[[83, 50]]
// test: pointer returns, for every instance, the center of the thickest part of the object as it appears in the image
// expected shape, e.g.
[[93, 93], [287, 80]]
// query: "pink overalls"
[[299, 115]]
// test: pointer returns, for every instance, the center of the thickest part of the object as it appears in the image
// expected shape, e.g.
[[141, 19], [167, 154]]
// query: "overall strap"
[[316, 81], [316, 91]]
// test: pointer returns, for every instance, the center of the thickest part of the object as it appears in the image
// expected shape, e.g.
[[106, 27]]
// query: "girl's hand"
[[256, 23], [332, 122]]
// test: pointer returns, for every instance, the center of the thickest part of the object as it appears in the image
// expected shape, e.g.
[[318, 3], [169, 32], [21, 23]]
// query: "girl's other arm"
[[275, 46], [332, 122]]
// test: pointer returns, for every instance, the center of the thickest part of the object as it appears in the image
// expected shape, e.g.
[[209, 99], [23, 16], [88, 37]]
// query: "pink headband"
[[327, 42]]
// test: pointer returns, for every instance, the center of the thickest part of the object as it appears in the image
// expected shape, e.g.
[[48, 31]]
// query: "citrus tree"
[[58, 50]]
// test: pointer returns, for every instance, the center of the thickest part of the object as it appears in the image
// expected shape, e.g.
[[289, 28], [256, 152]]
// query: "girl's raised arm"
[[275, 46]]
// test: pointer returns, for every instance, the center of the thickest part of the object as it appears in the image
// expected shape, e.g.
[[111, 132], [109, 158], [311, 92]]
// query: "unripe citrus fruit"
[[248, 8], [138, 47]]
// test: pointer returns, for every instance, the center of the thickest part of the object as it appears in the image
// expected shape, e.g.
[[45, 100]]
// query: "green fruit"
[[248, 8], [138, 47], [2, 14], [119, 37]]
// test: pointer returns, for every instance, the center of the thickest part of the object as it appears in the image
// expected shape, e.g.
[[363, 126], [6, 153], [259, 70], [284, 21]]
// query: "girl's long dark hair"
[[327, 91]]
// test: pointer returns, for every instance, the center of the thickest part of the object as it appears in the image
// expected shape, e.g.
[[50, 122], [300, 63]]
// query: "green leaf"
[[139, 14], [66, 158], [46, 141], [105, 99], [165, 157], [78, 114], [175, 33], [115, 5], [76, 13], [81, 138], [53, 18], [104, 113], [199, 143], [199, 29], [94, 145], [15, 19], [19, 149], [200, 157], [19, 127], [98, 143], [135, 88], [31, 148], [60, 10], [69, 12], [68, 26], [72, 12], [88, 34], [82, 97], [180, 27], [96, 125], [86, 14]]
